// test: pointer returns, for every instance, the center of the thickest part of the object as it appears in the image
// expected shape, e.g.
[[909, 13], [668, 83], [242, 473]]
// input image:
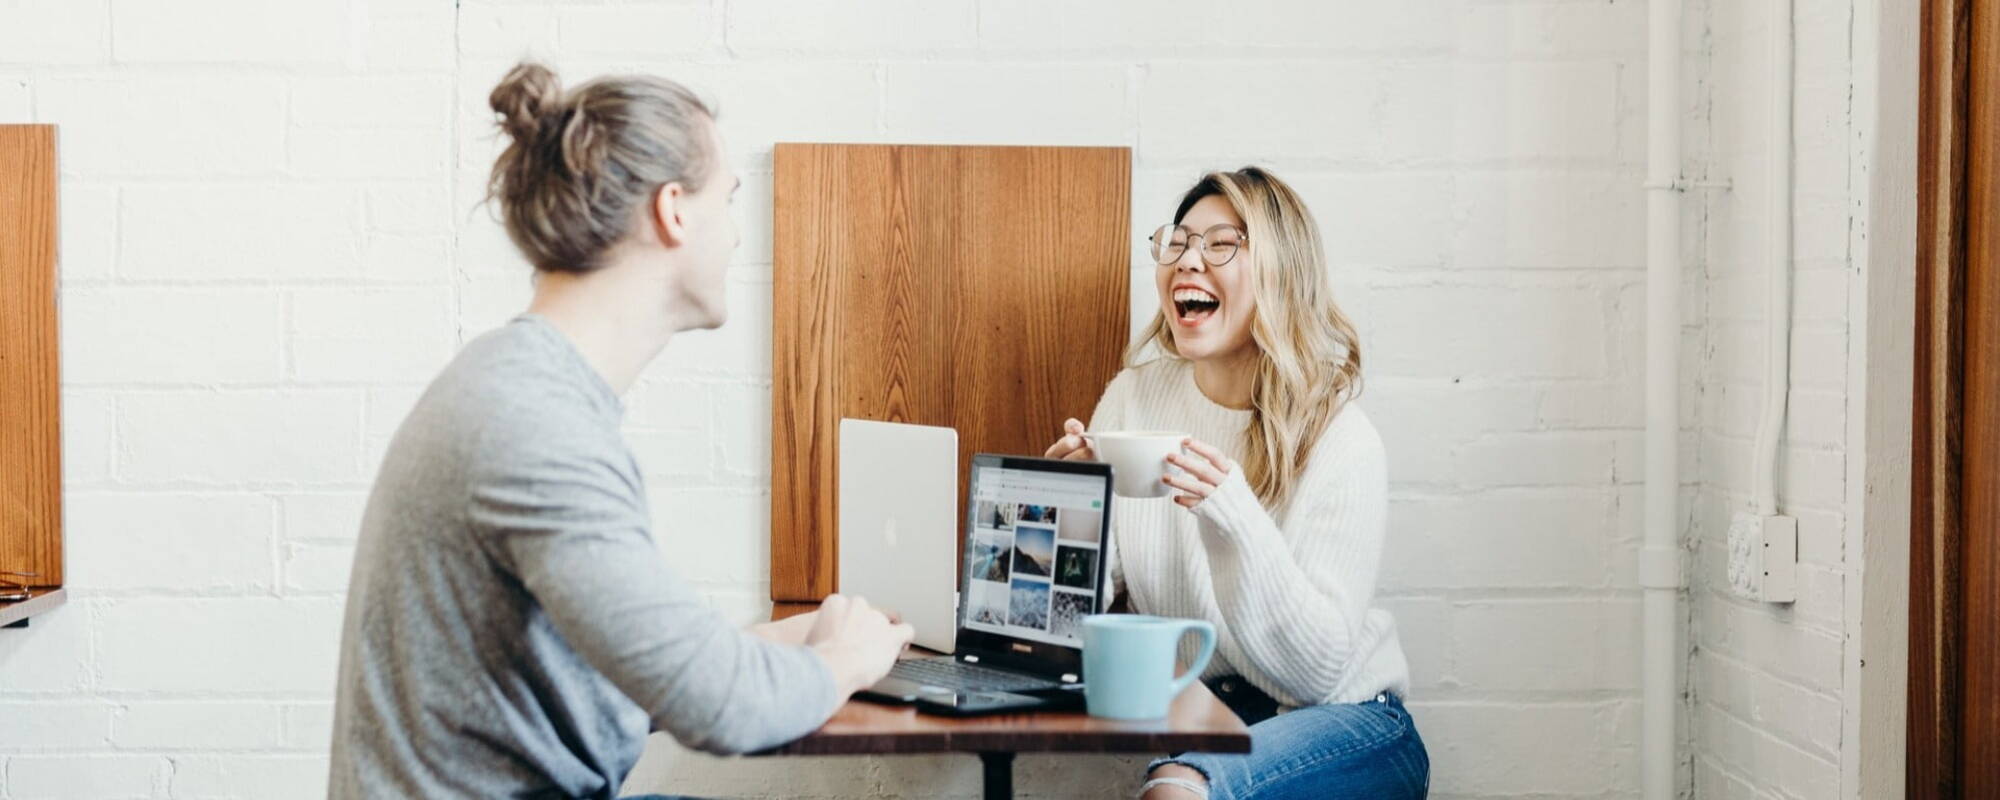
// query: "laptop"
[[1035, 545], [898, 523]]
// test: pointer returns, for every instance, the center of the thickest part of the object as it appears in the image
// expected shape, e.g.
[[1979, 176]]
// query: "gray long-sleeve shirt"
[[511, 628]]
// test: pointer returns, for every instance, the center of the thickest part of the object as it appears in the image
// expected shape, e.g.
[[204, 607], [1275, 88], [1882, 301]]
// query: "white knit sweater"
[[1291, 595]]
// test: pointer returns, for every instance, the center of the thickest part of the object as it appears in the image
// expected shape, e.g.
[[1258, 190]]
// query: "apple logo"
[[889, 532]]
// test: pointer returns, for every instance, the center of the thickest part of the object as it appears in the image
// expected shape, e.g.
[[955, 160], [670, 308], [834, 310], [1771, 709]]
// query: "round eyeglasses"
[[1217, 245]]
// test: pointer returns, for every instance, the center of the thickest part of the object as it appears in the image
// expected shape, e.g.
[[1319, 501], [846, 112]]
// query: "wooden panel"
[[1932, 763], [1197, 721], [1954, 721], [30, 447], [1979, 482], [981, 288]]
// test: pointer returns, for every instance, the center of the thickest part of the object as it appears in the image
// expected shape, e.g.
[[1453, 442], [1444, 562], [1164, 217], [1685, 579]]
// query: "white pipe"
[[1778, 296], [1659, 558]]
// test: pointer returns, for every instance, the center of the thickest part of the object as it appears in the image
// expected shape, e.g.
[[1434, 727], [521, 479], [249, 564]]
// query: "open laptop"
[[898, 534], [1035, 546]]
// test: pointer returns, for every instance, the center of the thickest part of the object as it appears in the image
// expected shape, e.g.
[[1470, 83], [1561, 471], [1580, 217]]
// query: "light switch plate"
[[1764, 557]]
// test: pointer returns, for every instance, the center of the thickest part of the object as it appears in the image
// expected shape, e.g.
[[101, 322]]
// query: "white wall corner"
[[1881, 300]]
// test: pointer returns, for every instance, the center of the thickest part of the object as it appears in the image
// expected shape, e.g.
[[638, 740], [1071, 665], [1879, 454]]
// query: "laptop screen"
[[1035, 557]]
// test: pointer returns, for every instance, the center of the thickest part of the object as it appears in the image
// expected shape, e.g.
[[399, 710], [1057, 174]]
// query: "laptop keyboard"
[[958, 675]]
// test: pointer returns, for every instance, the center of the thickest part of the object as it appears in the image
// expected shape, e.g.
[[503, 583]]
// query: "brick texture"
[[272, 239], [1766, 680]]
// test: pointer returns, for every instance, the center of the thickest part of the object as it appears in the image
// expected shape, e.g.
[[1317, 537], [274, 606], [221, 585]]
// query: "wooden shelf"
[[16, 614], [30, 381]]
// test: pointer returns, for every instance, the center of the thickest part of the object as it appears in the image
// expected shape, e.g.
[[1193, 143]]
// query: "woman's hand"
[[1072, 446], [1203, 475]]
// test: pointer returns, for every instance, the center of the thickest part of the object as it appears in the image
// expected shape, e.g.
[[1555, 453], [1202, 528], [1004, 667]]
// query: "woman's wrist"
[[1226, 508]]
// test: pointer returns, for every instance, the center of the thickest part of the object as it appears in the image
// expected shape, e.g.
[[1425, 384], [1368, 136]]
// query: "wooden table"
[[1196, 722]]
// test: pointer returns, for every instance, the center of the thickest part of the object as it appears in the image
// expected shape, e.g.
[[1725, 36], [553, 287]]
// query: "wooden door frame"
[[1954, 714]]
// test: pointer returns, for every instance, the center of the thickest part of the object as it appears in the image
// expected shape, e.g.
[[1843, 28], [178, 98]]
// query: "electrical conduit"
[[1659, 558]]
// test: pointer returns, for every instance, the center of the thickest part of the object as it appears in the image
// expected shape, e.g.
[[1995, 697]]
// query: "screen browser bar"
[[1031, 487]]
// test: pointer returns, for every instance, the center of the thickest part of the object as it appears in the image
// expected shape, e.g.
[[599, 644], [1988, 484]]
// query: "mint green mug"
[[1128, 663]]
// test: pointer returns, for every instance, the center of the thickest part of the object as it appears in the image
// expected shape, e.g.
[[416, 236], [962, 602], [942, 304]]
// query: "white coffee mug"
[[1138, 459]]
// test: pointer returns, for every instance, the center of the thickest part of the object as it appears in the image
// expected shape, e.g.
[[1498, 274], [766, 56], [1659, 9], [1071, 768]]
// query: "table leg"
[[999, 769]]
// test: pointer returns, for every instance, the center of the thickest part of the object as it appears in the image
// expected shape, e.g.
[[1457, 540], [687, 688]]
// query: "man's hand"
[[859, 643]]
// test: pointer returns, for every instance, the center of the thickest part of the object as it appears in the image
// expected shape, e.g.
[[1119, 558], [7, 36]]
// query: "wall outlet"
[[1764, 557]]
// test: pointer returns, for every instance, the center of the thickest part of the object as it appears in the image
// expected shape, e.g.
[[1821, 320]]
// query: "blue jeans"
[[1347, 750]]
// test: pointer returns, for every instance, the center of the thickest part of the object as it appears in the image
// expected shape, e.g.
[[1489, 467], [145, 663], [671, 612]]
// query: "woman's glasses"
[[1216, 245]]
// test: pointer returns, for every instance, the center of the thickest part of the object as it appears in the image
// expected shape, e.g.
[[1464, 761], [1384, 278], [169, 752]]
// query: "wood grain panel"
[[1932, 725], [30, 398], [1932, 763], [1979, 483], [981, 288]]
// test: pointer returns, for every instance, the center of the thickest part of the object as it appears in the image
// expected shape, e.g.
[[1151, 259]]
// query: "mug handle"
[[1193, 674]]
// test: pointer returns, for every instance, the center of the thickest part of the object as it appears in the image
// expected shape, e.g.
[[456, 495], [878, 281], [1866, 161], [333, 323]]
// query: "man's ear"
[[668, 217]]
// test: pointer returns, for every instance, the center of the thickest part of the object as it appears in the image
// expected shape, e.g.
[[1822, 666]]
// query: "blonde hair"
[[1308, 354], [583, 161]]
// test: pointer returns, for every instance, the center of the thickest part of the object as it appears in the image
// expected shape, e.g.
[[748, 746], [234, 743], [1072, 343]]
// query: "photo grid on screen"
[[1032, 568]]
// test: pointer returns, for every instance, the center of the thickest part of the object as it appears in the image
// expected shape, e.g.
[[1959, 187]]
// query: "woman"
[[1275, 531], [511, 630]]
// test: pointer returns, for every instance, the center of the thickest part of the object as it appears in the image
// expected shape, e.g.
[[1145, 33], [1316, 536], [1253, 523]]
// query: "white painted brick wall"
[[198, 726], [255, 437], [140, 122], [218, 645], [42, 33], [209, 543], [231, 32], [271, 240], [250, 231], [15, 101], [143, 335], [107, 776], [249, 776], [1766, 680], [373, 335]]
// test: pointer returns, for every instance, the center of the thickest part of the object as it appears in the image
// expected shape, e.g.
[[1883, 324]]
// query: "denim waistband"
[[1253, 705]]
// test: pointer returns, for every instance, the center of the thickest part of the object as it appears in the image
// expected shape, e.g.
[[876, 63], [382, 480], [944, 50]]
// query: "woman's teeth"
[[1194, 304]]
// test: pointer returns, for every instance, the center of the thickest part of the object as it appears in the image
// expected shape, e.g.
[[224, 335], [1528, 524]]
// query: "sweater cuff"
[[1229, 511]]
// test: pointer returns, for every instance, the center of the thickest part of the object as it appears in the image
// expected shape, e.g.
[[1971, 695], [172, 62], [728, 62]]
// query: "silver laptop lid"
[[898, 492]]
